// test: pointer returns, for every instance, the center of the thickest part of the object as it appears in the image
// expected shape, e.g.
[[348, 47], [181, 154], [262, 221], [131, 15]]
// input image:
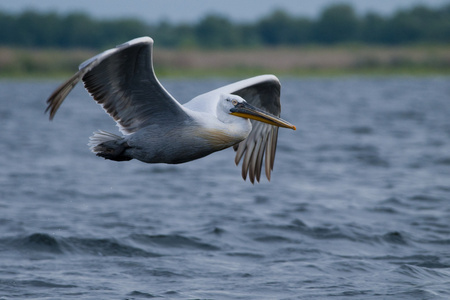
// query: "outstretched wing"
[[262, 92], [123, 81]]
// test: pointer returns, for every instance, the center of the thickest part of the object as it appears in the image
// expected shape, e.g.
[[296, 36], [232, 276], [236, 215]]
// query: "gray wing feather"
[[263, 92], [57, 97], [122, 80]]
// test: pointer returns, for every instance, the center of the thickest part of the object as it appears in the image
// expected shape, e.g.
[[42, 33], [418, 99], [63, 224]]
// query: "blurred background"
[[50, 38]]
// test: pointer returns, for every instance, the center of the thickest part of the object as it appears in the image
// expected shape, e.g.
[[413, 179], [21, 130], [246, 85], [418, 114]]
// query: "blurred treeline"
[[335, 25]]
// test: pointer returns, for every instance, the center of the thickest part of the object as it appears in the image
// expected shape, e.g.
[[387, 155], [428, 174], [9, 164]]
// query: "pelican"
[[156, 128]]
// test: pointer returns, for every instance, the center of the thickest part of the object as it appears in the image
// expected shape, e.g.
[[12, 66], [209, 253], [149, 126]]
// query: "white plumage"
[[158, 129]]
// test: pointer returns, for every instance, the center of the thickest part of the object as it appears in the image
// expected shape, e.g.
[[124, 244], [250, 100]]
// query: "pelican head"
[[238, 107]]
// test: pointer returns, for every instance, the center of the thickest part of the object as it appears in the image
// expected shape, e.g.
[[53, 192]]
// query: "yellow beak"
[[245, 110]]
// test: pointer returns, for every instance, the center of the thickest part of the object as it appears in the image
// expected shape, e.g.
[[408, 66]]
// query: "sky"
[[189, 11]]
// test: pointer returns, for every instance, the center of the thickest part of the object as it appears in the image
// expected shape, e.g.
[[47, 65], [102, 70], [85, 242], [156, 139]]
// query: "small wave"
[[37, 284], [45, 243], [367, 154], [412, 115], [362, 130], [272, 239], [424, 261], [394, 237], [245, 255], [423, 273], [276, 234], [39, 242], [420, 293], [445, 161], [283, 232], [324, 232], [425, 198], [172, 241], [218, 231], [392, 204], [157, 169], [348, 266], [439, 241], [393, 201], [384, 210], [107, 247], [141, 295]]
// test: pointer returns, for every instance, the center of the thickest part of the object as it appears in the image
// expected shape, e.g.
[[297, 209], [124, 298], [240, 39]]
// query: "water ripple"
[[173, 241], [357, 207], [45, 243]]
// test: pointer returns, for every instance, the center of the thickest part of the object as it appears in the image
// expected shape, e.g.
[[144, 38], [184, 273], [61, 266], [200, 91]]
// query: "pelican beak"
[[245, 110]]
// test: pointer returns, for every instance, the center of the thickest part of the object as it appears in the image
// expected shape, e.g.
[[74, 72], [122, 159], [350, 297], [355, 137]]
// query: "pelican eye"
[[234, 102]]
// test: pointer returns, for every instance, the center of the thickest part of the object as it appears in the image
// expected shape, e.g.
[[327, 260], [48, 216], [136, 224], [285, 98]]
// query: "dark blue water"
[[358, 206]]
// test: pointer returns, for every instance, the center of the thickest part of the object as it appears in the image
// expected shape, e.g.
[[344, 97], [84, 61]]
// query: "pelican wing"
[[262, 92], [123, 81]]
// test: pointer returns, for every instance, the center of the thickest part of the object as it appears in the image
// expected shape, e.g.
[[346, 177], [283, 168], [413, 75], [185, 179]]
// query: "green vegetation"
[[336, 24], [415, 40]]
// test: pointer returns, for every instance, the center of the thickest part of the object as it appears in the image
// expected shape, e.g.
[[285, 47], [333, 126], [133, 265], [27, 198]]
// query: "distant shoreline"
[[303, 61]]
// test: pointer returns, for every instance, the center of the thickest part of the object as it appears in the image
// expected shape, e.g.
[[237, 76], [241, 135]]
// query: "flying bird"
[[156, 128]]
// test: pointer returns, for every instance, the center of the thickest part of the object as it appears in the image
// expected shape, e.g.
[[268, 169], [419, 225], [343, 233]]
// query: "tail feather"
[[109, 146]]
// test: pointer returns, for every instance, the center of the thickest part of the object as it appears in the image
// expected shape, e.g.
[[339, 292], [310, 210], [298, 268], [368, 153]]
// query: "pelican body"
[[158, 129]]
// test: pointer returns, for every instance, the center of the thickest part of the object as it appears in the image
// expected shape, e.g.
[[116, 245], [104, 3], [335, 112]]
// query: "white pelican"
[[158, 129]]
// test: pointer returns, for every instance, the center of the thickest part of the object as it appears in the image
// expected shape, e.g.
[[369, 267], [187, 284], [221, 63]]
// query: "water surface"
[[358, 206]]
